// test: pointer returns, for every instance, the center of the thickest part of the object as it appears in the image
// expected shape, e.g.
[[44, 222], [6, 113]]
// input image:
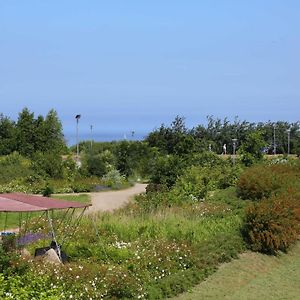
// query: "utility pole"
[[77, 117], [234, 148], [91, 127], [274, 139], [289, 140]]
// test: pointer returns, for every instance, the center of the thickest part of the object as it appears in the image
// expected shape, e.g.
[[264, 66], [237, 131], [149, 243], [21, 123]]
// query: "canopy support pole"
[[26, 222], [95, 226], [75, 226], [67, 223], [5, 222], [53, 235], [64, 217]]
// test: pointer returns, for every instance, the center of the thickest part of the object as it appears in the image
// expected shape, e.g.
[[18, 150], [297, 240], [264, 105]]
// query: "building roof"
[[18, 202]]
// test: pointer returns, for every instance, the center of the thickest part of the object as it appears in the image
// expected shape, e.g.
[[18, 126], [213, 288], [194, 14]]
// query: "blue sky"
[[132, 65]]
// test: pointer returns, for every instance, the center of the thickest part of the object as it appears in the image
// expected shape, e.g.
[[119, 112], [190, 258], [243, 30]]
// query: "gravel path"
[[108, 201]]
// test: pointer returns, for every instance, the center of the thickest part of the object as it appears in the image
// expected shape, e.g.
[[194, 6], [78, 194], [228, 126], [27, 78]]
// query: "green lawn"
[[12, 220], [82, 198], [253, 276]]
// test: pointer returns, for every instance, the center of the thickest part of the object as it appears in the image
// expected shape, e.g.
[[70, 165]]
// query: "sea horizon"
[[70, 138]]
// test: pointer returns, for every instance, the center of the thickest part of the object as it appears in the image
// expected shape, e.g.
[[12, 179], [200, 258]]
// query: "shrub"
[[197, 181], [114, 179], [256, 183], [262, 181], [12, 167], [251, 149], [167, 169], [48, 164], [272, 224], [48, 190], [155, 187]]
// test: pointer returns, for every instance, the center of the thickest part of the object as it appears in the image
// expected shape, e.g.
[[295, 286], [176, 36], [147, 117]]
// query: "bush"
[[114, 179], [197, 181], [250, 151], [13, 167], [263, 181], [9, 242], [166, 170], [48, 164], [272, 224], [257, 182], [47, 191]]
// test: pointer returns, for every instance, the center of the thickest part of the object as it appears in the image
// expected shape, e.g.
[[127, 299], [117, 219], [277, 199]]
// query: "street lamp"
[[219, 141], [77, 117], [234, 148], [91, 127], [274, 139], [289, 140]]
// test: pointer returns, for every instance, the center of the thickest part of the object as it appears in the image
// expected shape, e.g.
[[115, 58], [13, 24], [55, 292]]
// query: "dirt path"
[[108, 201]]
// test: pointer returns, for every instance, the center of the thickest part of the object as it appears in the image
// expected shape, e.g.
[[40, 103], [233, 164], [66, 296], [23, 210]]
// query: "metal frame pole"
[[77, 139], [274, 139], [289, 140], [75, 226], [91, 126], [53, 235]]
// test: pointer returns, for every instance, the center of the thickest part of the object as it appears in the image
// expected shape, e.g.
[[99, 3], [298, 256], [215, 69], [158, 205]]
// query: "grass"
[[82, 198], [194, 223], [12, 220], [253, 276]]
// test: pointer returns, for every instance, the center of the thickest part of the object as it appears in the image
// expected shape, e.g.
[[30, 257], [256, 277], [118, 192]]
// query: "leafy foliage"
[[251, 151], [262, 181], [272, 224], [29, 134]]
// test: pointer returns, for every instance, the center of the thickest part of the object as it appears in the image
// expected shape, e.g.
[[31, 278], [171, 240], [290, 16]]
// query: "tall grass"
[[166, 225]]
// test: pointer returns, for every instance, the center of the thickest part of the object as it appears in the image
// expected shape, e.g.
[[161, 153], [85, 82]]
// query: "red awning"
[[18, 202]]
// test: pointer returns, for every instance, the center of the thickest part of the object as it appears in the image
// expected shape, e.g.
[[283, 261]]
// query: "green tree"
[[48, 165], [167, 169], [25, 132], [7, 135], [175, 139], [251, 151], [98, 164], [53, 135]]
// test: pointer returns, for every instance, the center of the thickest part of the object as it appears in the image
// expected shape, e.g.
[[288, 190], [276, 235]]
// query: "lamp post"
[[219, 142], [289, 140], [274, 139], [234, 148], [91, 127], [77, 117]]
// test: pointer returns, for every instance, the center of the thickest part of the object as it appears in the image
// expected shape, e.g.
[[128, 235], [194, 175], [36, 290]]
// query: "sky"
[[131, 65]]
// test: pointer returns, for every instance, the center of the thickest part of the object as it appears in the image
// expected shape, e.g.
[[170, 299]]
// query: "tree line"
[[178, 139], [29, 134]]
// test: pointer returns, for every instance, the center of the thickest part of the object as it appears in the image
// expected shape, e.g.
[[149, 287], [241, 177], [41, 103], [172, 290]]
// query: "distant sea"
[[105, 137]]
